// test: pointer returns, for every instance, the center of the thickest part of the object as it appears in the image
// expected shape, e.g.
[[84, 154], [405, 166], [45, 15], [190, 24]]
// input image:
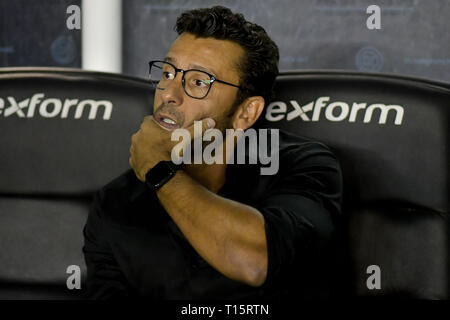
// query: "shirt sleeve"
[[105, 281], [299, 210]]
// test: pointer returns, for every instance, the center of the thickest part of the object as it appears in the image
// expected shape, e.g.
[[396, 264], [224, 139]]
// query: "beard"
[[223, 120], [166, 109]]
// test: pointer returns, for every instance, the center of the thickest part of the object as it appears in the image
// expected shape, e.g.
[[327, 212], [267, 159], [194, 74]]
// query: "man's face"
[[217, 57]]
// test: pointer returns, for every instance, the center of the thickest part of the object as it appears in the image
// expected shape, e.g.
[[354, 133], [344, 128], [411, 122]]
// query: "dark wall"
[[311, 34], [34, 33]]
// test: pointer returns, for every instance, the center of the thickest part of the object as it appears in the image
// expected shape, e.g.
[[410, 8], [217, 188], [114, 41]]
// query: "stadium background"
[[313, 34]]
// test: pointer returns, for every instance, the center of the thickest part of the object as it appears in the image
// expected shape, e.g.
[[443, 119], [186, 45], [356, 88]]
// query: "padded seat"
[[391, 136], [65, 133]]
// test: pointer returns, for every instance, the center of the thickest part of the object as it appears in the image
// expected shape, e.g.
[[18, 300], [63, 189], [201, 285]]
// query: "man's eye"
[[168, 75], [201, 83]]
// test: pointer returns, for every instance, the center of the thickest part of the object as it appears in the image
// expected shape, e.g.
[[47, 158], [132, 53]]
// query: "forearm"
[[229, 235]]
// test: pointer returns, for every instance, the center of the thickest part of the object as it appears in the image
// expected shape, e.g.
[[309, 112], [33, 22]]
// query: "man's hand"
[[152, 144], [148, 146], [231, 236]]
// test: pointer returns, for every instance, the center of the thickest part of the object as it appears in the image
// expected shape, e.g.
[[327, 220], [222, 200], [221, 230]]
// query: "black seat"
[[65, 133], [391, 135]]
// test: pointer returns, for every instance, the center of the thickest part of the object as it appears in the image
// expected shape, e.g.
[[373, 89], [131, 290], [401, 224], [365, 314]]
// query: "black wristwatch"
[[157, 176]]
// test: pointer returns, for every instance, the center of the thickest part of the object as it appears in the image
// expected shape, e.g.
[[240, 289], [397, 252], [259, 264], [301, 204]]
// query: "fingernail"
[[210, 123]]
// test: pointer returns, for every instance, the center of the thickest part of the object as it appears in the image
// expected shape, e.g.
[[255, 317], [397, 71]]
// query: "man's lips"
[[166, 121]]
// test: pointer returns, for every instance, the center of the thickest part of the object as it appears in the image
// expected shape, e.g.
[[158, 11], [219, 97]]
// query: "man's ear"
[[248, 112]]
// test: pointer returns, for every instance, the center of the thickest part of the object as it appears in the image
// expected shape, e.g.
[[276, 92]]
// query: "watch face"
[[158, 175]]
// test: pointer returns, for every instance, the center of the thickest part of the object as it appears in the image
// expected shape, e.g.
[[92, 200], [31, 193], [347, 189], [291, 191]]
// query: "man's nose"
[[174, 91]]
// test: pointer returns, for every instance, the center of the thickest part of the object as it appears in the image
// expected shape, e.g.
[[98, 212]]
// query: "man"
[[213, 231]]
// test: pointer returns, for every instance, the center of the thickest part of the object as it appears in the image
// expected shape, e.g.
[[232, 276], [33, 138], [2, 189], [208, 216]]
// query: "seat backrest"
[[391, 135], [63, 134]]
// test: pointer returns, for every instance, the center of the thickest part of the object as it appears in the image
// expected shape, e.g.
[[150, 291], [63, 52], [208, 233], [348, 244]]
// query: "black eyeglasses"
[[196, 83]]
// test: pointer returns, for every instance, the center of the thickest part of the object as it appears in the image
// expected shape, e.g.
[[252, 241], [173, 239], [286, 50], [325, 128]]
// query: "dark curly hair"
[[259, 66]]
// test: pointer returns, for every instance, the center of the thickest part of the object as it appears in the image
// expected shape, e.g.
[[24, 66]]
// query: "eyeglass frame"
[[212, 78]]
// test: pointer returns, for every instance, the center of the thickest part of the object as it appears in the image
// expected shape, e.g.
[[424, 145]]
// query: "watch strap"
[[160, 174]]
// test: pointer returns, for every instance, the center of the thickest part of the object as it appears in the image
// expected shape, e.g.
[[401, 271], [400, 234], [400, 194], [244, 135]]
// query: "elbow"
[[257, 276], [257, 270], [257, 273], [252, 272]]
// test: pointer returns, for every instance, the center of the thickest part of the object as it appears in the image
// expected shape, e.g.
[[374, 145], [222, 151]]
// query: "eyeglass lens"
[[196, 83]]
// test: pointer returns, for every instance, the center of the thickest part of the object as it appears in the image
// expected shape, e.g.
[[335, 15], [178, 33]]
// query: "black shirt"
[[134, 249]]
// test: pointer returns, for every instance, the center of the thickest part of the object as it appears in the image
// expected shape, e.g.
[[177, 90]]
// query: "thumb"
[[195, 134], [199, 127]]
